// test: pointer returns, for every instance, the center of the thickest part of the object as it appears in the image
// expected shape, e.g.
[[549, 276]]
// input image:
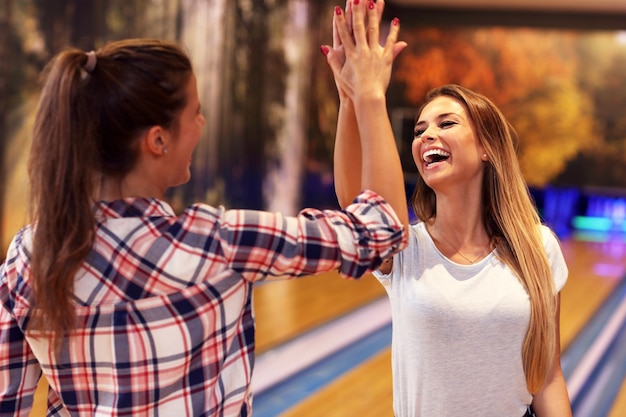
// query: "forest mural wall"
[[564, 91], [271, 105]]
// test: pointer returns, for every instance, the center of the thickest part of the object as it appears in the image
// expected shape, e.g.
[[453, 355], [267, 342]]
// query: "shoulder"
[[418, 232], [20, 244], [548, 235], [551, 241], [555, 256], [17, 256]]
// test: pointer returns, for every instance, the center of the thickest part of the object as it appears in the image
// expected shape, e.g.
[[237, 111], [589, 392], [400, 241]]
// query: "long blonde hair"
[[512, 222]]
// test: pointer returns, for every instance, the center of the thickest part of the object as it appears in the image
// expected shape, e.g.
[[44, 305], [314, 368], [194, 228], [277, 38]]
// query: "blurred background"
[[557, 69]]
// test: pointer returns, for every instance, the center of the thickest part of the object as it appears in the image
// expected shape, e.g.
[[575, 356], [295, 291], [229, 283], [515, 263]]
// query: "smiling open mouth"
[[435, 155]]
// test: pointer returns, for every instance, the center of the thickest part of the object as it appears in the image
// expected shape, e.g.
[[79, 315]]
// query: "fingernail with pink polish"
[[370, 4], [325, 50], [395, 21], [355, 2], [337, 10]]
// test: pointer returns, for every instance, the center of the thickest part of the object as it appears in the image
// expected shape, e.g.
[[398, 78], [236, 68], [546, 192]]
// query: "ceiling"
[[596, 6]]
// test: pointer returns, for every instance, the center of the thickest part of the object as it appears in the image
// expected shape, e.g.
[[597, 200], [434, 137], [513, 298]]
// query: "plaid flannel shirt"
[[164, 321]]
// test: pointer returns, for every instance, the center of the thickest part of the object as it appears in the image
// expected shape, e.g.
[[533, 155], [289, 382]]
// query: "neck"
[[458, 229], [460, 215], [466, 248], [115, 189]]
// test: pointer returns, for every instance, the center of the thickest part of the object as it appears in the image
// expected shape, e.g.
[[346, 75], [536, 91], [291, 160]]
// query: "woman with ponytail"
[[126, 307], [475, 296]]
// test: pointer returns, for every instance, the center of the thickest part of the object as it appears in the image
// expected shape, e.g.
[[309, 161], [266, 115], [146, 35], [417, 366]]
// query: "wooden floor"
[[286, 309]]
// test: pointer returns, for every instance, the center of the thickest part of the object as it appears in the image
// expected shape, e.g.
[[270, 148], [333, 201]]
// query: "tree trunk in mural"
[[163, 22], [84, 23], [254, 66], [228, 44], [245, 116], [253, 63], [203, 28], [53, 23], [283, 183]]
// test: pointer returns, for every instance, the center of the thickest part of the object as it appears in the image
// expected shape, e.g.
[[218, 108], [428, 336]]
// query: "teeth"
[[431, 152]]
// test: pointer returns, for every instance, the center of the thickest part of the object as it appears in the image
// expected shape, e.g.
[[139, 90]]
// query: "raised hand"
[[365, 155], [356, 36]]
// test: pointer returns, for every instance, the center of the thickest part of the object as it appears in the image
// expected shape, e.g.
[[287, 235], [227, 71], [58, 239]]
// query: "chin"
[[182, 181]]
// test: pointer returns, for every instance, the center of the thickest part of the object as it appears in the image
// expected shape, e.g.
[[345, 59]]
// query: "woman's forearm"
[[347, 156]]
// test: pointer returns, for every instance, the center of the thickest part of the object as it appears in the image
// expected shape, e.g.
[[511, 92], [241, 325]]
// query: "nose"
[[428, 135]]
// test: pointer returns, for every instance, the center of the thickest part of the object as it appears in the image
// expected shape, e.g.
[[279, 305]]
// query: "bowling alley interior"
[[323, 343]]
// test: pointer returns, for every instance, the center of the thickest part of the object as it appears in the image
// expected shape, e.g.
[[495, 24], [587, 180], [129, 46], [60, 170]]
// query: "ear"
[[155, 141], [483, 153]]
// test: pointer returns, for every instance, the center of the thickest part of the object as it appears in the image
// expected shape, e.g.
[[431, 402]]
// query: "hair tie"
[[91, 61]]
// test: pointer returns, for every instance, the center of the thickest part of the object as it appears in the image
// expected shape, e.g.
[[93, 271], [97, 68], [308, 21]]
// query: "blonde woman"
[[475, 296]]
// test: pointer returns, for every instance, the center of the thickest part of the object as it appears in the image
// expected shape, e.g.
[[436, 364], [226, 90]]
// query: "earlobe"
[[155, 140]]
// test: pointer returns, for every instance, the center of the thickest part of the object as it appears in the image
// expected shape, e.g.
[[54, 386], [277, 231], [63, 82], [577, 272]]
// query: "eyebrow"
[[440, 116]]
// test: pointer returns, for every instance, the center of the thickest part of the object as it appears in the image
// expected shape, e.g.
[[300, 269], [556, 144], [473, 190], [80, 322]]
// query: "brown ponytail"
[[61, 177]]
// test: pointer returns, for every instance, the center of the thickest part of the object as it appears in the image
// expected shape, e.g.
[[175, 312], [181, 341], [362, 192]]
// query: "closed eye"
[[443, 125]]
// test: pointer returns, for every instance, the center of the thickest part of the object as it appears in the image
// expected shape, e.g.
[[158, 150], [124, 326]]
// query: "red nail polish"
[[337, 10], [324, 49], [395, 21], [370, 4], [355, 2]]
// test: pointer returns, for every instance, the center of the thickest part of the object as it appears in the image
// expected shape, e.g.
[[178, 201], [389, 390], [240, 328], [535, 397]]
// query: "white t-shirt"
[[458, 331]]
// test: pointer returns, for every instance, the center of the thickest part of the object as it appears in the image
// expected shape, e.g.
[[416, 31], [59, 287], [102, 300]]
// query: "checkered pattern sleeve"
[[354, 241], [19, 370]]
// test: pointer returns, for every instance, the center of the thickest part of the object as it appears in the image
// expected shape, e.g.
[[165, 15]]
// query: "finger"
[[345, 37], [349, 15], [348, 20], [380, 8], [373, 31], [332, 59], [335, 56], [358, 21], [336, 38], [392, 37], [335, 61], [398, 47]]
